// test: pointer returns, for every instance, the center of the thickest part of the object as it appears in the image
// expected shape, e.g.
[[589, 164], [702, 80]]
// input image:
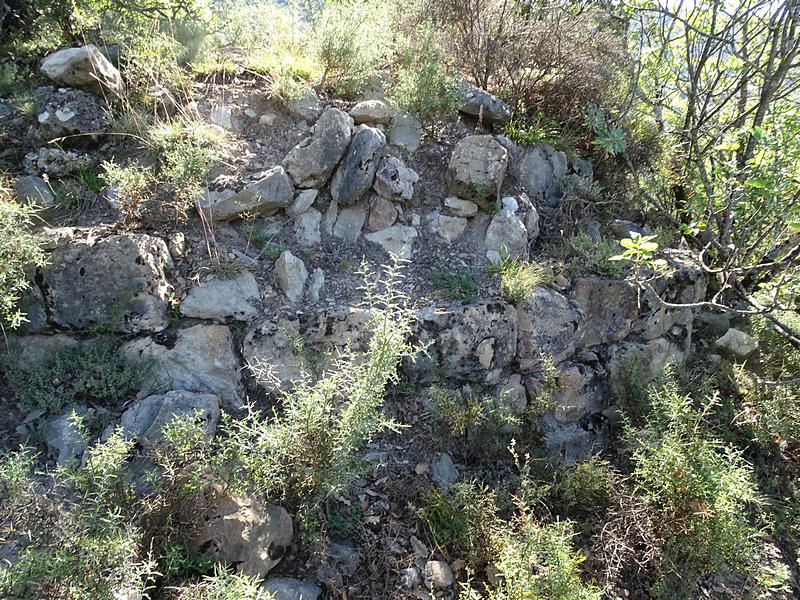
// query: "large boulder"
[[311, 162], [85, 68], [374, 112], [196, 359], [223, 299], [482, 105], [610, 307], [146, 419], [266, 196], [271, 348], [245, 533], [72, 114], [549, 327], [118, 282], [540, 170], [476, 170], [473, 342], [394, 180], [355, 174]]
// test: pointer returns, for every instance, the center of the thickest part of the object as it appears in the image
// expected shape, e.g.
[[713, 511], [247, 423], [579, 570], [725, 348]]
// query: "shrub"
[[19, 251], [587, 485], [90, 372], [459, 284], [517, 278], [307, 450], [424, 87], [581, 253]]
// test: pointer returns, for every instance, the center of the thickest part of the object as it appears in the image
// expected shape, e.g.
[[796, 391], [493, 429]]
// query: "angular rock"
[[738, 342], [461, 208], [514, 395], [397, 239], [286, 588], [311, 162], [84, 67], [610, 307], [450, 228], [223, 299], [476, 170], [473, 342], [291, 274], [582, 168], [306, 228], [196, 359], [539, 171], [146, 419], [443, 471], [575, 395], [394, 181], [410, 578], [350, 222], [356, 172], [438, 574], [382, 214], [88, 282], [75, 115], [482, 105], [307, 106], [549, 326], [406, 132], [34, 190], [373, 112], [316, 287], [507, 236], [57, 162], [35, 348], [222, 115], [63, 438], [263, 197], [301, 203], [245, 533]]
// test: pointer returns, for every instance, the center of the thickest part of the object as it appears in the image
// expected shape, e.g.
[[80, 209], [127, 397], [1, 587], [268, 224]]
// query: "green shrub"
[[19, 251], [517, 279], [587, 485], [459, 284], [424, 87], [532, 130], [308, 449], [580, 253], [90, 372]]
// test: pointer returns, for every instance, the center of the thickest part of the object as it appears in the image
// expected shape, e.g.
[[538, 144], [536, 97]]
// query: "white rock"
[[292, 275], [84, 67], [397, 239], [222, 115], [438, 574], [223, 299], [510, 204], [451, 228], [306, 227], [461, 208], [372, 111], [301, 203], [507, 235], [738, 342]]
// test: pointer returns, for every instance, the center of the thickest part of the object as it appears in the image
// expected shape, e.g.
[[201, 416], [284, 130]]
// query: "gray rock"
[[263, 197], [291, 274], [311, 162], [738, 342], [245, 533], [306, 228], [350, 222], [382, 214], [286, 588], [223, 299], [514, 395], [532, 223], [406, 132], [86, 281], [397, 239], [539, 170], [610, 307], [716, 322], [549, 326], [621, 228], [222, 115], [197, 359], [146, 419], [410, 578], [57, 162], [84, 67], [341, 560], [443, 471], [356, 172], [484, 106], [34, 190], [316, 287], [394, 181], [576, 394], [373, 112], [507, 236], [438, 574], [473, 342], [72, 114], [450, 228], [476, 170], [63, 438], [307, 106], [461, 208], [583, 168], [510, 204], [35, 348], [301, 203]]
